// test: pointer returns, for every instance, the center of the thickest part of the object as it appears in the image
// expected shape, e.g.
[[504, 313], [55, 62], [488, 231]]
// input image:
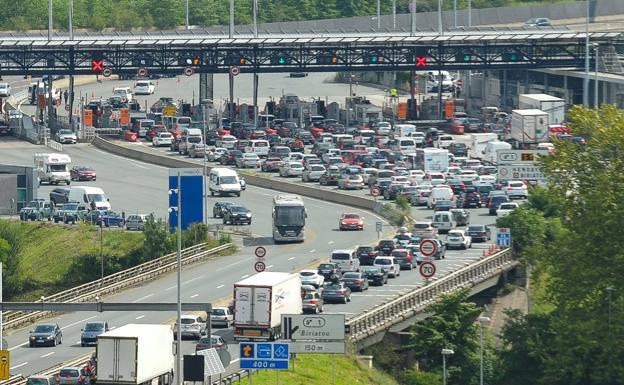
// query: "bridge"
[[207, 53]]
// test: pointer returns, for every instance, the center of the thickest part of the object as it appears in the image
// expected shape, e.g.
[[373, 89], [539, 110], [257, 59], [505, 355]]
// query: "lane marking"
[[195, 295], [291, 258], [233, 264], [270, 266], [18, 366], [245, 276], [47, 354], [142, 298], [78, 322], [313, 251], [220, 286], [330, 242], [171, 288], [141, 316], [193, 279], [18, 346]]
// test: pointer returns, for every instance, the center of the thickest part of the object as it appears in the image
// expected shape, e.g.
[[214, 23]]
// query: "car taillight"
[[509, 188], [482, 234], [341, 291], [359, 281], [313, 302]]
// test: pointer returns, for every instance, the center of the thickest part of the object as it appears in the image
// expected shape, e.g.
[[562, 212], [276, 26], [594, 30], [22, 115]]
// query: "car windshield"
[[69, 373], [44, 329], [94, 327], [382, 262], [96, 197], [84, 168], [238, 209], [307, 273], [64, 132], [421, 225], [36, 381], [476, 228], [218, 311], [188, 321], [70, 206], [227, 180], [365, 248], [326, 266], [351, 275], [57, 167], [289, 216], [351, 216], [340, 256], [334, 286]]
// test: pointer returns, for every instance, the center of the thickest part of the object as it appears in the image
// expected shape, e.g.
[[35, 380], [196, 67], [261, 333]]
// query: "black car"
[[45, 334], [59, 196], [229, 157], [479, 233], [330, 177], [472, 199], [392, 191], [443, 205], [375, 275], [496, 201], [461, 216], [235, 214], [385, 246], [456, 185], [219, 208], [366, 255], [328, 270], [355, 281], [458, 149]]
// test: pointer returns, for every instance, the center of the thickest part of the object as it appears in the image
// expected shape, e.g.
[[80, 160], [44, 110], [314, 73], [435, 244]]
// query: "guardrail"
[[115, 282], [53, 144], [52, 370]]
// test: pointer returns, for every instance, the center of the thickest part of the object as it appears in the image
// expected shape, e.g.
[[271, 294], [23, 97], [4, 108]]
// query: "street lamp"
[[178, 210], [596, 48], [586, 77], [482, 322], [445, 352]]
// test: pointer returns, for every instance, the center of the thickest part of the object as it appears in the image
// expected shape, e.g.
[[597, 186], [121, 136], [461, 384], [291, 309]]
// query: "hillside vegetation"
[[25, 15]]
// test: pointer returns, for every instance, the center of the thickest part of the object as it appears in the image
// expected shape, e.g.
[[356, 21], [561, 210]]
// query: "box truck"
[[435, 160], [479, 142], [135, 354], [260, 301], [529, 126], [552, 105]]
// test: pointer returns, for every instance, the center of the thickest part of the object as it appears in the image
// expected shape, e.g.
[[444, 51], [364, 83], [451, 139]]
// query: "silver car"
[[312, 173], [66, 136], [248, 160], [221, 316], [192, 326]]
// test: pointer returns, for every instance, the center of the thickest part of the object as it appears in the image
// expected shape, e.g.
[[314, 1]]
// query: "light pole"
[[596, 56], [187, 14], [178, 210], [393, 14], [413, 18], [482, 322], [102, 249], [440, 17], [469, 13], [231, 19], [378, 15], [586, 77], [455, 13], [445, 352], [255, 18]]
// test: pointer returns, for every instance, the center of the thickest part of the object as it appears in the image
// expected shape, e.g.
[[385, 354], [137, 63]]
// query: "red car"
[[82, 173], [351, 221], [316, 131]]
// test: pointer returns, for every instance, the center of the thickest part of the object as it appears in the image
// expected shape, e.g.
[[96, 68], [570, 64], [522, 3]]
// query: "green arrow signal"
[[281, 60]]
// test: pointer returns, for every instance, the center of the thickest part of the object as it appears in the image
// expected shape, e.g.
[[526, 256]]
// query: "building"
[[18, 186]]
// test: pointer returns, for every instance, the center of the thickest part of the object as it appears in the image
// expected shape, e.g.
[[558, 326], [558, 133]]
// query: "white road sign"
[[520, 172], [324, 327], [518, 156], [311, 347]]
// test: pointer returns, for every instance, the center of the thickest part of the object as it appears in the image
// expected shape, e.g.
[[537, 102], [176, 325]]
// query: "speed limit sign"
[[107, 72], [188, 71], [142, 72], [427, 269], [234, 70]]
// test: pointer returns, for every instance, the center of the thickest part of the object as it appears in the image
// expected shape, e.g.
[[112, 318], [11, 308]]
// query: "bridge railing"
[[115, 282], [385, 316]]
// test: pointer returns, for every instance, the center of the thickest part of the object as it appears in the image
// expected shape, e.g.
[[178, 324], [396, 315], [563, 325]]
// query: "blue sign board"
[[503, 239], [263, 355], [192, 181]]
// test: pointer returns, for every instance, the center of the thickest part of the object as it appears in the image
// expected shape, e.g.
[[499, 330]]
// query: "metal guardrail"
[[52, 370], [115, 282], [53, 144]]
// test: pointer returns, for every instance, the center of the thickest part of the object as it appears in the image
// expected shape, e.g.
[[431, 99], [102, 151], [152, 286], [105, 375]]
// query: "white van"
[[440, 193], [124, 92], [346, 259], [444, 221], [259, 147], [403, 130], [88, 194], [406, 145], [52, 168], [491, 148], [224, 181]]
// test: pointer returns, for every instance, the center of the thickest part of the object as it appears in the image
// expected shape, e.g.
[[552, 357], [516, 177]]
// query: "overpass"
[[205, 53]]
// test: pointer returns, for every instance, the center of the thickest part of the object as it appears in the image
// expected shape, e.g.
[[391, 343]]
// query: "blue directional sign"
[[503, 238], [264, 356], [192, 197]]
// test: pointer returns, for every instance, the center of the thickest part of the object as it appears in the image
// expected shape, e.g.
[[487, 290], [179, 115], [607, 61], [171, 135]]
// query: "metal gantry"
[[289, 53]]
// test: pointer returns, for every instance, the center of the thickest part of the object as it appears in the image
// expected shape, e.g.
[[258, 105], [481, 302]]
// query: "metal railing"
[[115, 282], [52, 370], [53, 144]]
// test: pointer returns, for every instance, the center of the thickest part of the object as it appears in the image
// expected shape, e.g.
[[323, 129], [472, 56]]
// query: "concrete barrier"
[[269, 183]]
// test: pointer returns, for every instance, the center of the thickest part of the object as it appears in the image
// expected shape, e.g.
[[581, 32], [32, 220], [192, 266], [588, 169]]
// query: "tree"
[[418, 377], [158, 241]]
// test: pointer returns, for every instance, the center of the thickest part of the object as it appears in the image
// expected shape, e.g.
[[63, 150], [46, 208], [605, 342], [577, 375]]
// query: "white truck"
[[260, 301], [529, 126], [135, 354], [479, 142], [435, 160], [552, 105], [52, 168]]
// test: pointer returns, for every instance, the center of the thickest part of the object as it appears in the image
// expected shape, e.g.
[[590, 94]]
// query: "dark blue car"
[[104, 218]]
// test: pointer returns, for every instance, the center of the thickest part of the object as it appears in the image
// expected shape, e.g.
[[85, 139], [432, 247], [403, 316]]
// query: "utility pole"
[[455, 13], [469, 13], [255, 74], [71, 76], [49, 80], [596, 56], [586, 77], [413, 18], [179, 283], [231, 18], [393, 14], [187, 14], [378, 15], [440, 17]]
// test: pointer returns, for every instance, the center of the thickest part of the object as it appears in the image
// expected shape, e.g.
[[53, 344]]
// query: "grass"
[[324, 369]]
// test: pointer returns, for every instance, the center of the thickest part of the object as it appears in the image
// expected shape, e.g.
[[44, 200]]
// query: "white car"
[[248, 160], [452, 171], [444, 141], [506, 208], [66, 136], [467, 175], [162, 139], [516, 189], [312, 173], [390, 264], [487, 179], [311, 277], [144, 87], [415, 175], [424, 230], [436, 178], [383, 128], [458, 239], [221, 316], [124, 92], [5, 89], [192, 325], [291, 168], [367, 172], [215, 154], [402, 180]]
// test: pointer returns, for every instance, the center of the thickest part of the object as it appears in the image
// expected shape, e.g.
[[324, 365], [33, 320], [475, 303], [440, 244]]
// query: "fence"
[[115, 282], [53, 144]]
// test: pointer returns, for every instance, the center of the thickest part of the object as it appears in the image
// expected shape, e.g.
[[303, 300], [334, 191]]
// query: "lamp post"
[[586, 77], [440, 17], [178, 210], [596, 56], [482, 322], [187, 14], [455, 13], [413, 18], [469, 13], [445, 352], [102, 249], [378, 15]]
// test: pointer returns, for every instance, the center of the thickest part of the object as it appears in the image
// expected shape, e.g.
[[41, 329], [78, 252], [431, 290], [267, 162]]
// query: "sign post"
[[378, 227]]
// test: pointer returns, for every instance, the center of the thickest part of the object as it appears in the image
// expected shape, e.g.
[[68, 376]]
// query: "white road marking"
[[193, 279], [313, 250], [195, 295], [18, 366], [245, 276], [18, 346], [141, 316], [233, 264], [291, 258], [47, 354], [220, 286], [270, 266], [330, 242], [78, 322], [171, 288], [142, 298], [78, 342], [138, 164], [113, 327]]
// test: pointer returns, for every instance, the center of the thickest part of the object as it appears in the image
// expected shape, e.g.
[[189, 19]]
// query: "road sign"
[[375, 191], [264, 355], [326, 327], [260, 252], [503, 237], [169, 110], [67, 108], [378, 226], [259, 266], [4, 365], [520, 172], [142, 72], [427, 269], [428, 247], [234, 70], [107, 72], [192, 180], [518, 156], [188, 71], [313, 347]]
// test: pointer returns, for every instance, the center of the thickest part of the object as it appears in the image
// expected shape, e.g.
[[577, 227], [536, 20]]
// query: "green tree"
[[418, 377], [12, 242], [158, 241]]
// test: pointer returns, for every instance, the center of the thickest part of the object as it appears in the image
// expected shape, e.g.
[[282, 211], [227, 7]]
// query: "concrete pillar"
[[366, 360]]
